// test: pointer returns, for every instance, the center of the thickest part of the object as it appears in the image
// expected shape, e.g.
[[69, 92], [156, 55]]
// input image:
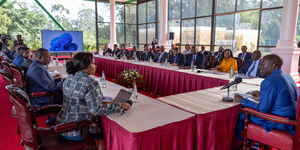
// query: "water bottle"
[[231, 72], [134, 96], [56, 61], [192, 66], [166, 62], [103, 80]]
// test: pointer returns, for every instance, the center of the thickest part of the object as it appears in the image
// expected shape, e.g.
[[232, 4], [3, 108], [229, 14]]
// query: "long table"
[[158, 79], [149, 124], [215, 119]]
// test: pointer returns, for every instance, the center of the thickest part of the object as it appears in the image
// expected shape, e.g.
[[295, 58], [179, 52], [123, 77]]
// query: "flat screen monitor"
[[57, 41]]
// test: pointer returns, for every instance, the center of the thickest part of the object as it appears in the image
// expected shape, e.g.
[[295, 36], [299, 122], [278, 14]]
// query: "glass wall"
[[226, 23], [147, 23]]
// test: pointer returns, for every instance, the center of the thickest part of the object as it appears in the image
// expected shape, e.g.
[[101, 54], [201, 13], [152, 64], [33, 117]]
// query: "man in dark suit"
[[107, 51], [38, 78], [218, 54], [146, 55], [250, 68], [244, 55], [116, 51], [203, 51], [124, 51], [176, 59], [162, 56], [197, 58]]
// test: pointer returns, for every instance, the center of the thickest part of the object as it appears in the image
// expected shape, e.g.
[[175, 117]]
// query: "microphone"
[[130, 103], [236, 81]]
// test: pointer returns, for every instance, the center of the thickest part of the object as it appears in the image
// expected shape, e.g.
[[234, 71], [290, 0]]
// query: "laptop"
[[123, 96]]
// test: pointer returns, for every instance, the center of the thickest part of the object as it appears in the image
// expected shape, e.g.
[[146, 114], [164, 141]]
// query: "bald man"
[[38, 78], [250, 68], [278, 95]]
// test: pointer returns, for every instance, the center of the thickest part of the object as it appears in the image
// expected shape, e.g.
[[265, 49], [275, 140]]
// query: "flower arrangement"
[[127, 77]]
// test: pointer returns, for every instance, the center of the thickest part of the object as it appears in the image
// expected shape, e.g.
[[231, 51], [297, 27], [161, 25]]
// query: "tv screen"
[[62, 41]]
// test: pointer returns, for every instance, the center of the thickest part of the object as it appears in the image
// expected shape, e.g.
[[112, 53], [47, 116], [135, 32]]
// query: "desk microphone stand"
[[227, 98]]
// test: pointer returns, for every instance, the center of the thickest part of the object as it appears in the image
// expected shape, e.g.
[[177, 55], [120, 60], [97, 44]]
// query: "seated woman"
[[82, 95], [227, 61]]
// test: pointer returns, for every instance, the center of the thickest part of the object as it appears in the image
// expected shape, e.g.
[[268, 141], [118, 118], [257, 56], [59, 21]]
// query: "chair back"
[[240, 62], [8, 77], [20, 100], [18, 74], [210, 61], [6, 66]]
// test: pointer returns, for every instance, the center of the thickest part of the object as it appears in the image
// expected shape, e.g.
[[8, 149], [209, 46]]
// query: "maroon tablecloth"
[[159, 81], [216, 130], [173, 136]]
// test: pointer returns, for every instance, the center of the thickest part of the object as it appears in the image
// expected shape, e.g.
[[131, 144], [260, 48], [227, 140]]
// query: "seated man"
[[162, 56], [107, 51], [39, 79], [245, 55], [116, 51], [146, 55], [124, 51], [250, 68], [197, 58], [218, 54], [176, 59], [22, 56], [25, 65], [278, 96]]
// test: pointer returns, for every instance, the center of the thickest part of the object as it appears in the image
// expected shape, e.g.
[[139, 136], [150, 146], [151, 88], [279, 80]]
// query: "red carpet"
[[9, 139]]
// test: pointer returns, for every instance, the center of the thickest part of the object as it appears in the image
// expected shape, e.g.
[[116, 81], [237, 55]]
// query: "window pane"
[[248, 4], [187, 31], [151, 11], [131, 34], [225, 5], [120, 33], [130, 12], [272, 3], [142, 13], [120, 13], [142, 34], [224, 30], [246, 30], [265, 51], [174, 9], [270, 27], [188, 8], [104, 33], [151, 32], [203, 31], [103, 12], [174, 26], [204, 7]]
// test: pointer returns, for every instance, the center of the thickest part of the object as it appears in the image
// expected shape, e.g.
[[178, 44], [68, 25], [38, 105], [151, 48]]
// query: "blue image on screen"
[[62, 41]]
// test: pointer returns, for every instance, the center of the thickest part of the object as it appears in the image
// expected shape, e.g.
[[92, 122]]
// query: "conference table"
[[149, 124], [159, 80], [215, 119], [193, 117]]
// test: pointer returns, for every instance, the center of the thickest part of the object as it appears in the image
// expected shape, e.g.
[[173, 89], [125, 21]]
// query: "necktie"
[[175, 58], [160, 56], [243, 56], [194, 58], [251, 69]]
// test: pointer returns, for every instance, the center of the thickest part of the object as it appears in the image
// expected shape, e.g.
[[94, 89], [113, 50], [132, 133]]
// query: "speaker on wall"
[[171, 36]]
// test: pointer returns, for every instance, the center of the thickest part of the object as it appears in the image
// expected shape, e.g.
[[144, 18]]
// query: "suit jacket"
[[246, 66], [117, 53], [199, 63], [163, 58], [107, 51], [247, 56], [39, 79], [125, 52], [179, 59], [146, 56]]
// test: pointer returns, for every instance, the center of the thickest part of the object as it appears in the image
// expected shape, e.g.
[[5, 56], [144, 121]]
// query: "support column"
[[113, 27], [163, 22], [287, 44]]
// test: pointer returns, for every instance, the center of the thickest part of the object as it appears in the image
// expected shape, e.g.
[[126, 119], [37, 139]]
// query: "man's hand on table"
[[125, 106], [57, 76], [238, 98]]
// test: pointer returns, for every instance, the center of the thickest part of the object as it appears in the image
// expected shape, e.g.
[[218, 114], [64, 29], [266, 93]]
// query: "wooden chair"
[[35, 137], [19, 74], [275, 138]]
